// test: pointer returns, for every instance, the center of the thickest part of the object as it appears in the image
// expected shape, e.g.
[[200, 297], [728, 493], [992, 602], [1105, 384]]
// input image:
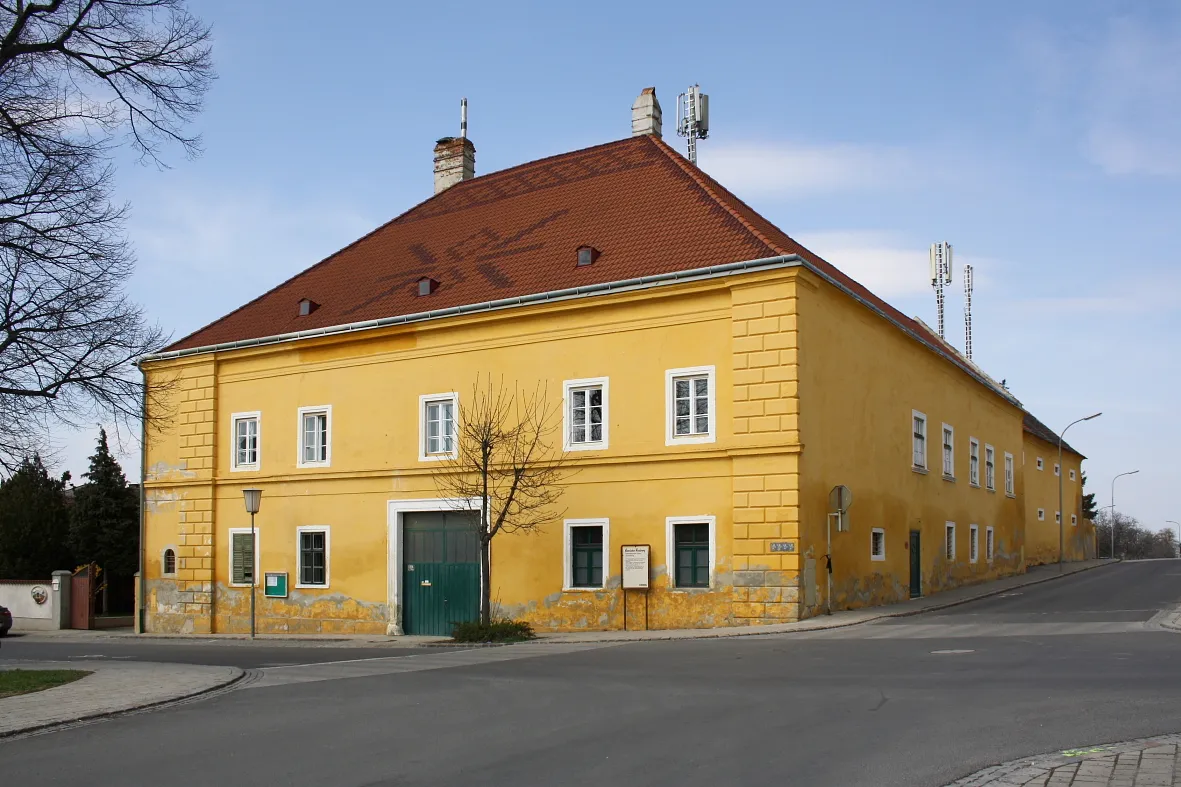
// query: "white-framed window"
[[245, 441], [243, 556], [691, 550], [314, 543], [973, 543], [690, 395], [1010, 481], [949, 541], [587, 554], [1074, 520], [586, 414], [1072, 474], [1058, 517], [1057, 469], [918, 428], [877, 544], [1040, 464], [989, 467], [989, 543], [1041, 515], [436, 426], [168, 562], [973, 461], [315, 436], [948, 451]]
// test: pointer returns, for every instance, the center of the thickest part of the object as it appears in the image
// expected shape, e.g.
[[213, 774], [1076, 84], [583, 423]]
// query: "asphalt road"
[[892, 703]]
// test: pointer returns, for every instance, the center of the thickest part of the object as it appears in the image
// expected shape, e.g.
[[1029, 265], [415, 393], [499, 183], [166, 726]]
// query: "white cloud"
[[797, 169], [887, 263], [1117, 88]]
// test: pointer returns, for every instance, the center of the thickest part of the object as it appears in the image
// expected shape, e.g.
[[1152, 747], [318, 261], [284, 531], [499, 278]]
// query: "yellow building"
[[1043, 541], [734, 378]]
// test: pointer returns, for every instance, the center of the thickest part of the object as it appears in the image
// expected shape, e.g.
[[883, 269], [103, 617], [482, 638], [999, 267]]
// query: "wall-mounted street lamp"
[[253, 499]]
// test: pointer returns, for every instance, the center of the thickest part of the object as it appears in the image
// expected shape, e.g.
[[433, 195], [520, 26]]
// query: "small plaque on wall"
[[783, 546]]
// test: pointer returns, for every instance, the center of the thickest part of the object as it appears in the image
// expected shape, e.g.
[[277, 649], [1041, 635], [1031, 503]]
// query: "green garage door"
[[440, 571]]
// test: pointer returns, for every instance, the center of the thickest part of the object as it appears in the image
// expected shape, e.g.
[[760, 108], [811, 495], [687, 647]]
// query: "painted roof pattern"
[[517, 232]]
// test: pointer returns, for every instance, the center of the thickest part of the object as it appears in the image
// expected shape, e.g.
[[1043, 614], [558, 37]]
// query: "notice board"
[[636, 566]]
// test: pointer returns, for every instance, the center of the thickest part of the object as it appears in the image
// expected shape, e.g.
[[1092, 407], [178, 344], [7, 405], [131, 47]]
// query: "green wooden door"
[[440, 571], [916, 565]]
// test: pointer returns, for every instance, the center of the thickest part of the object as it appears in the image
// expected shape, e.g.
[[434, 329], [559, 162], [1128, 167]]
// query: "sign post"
[[636, 563]]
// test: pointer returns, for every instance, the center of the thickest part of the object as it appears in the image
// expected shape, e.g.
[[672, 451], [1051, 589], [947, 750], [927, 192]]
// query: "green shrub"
[[501, 630]]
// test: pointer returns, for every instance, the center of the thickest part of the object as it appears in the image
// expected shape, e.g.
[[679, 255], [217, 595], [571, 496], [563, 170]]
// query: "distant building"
[[736, 376], [1041, 471]]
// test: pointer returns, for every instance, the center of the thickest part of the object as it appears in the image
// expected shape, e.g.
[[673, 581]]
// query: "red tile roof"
[[516, 232], [1043, 432]]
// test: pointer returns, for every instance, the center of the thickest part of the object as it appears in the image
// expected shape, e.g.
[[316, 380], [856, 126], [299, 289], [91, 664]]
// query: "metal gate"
[[82, 598], [440, 570]]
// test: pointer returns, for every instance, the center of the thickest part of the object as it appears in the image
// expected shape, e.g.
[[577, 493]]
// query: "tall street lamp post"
[[1062, 472], [253, 499], [1121, 475]]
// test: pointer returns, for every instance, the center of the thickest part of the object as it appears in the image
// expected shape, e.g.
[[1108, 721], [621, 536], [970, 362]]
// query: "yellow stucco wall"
[[1041, 492], [860, 380], [373, 383], [812, 390]]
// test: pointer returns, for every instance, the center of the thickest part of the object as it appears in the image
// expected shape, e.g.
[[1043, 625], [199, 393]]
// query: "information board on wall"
[[275, 585], [635, 567]]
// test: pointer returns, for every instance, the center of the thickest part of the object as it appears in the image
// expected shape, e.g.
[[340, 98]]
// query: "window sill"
[[584, 589], [313, 465], [950, 478], [690, 440], [600, 446], [691, 590], [1010, 495], [254, 468], [437, 457], [242, 584], [300, 586], [990, 489], [919, 470], [974, 485], [876, 559]]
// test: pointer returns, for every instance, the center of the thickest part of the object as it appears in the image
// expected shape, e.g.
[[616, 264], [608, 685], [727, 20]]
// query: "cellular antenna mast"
[[940, 276], [693, 118], [968, 311]]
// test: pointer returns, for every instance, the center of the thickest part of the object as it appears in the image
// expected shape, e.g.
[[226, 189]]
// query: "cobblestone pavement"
[[113, 687], [1146, 762]]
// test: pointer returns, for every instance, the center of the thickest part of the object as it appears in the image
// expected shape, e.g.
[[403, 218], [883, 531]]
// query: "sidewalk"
[[853, 617], [1146, 762], [114, 687], [950, 598]]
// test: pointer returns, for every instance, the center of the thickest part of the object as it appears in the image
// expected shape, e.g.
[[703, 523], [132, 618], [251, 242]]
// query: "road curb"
[[724, 633], [91, 717], [1007, 773]]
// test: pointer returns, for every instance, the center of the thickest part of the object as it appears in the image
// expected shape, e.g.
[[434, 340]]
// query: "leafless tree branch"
[[508, 460], [75, 75]]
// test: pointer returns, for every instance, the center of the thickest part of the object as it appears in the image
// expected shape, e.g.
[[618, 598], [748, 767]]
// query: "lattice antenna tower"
[[693, 118], [968, 311], [940, 277]]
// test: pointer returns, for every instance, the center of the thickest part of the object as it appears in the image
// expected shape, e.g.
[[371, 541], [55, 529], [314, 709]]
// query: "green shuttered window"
[[242, 549], [692, 547], [586, 544]]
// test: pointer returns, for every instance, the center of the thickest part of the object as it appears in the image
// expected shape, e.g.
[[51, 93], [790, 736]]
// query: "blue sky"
[[1042, 139]]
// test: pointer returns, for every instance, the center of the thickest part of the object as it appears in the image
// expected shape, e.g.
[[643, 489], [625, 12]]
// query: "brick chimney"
[[646, 113], [455, 160]]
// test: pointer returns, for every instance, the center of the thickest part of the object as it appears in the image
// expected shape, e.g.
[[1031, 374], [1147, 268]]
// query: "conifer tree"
[[104, 526], [34, 523]]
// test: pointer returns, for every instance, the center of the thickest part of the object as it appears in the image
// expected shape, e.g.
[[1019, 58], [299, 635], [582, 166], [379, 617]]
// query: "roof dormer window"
[[587, 255], [427, 285], [307, 306]]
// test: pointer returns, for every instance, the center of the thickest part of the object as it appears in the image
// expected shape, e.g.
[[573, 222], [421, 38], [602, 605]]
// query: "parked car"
[[5, 621]]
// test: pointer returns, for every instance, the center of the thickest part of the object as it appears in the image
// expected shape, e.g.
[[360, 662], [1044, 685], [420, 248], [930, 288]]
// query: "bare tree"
[[507, 462], [77, 78]]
